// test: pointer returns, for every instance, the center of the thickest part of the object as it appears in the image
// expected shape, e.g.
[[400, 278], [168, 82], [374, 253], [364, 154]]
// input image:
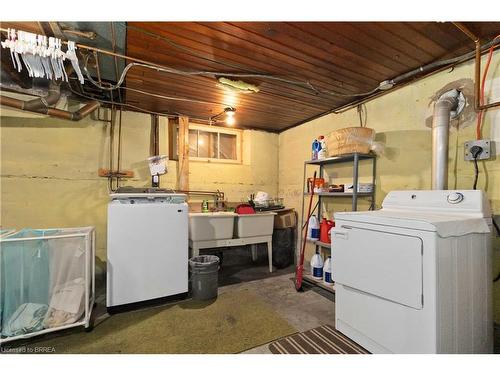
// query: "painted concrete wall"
[[49, 169], [402, 121], [49, 166]]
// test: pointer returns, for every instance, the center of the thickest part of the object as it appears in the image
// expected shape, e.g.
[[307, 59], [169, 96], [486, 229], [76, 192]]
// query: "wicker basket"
[[349, 140]]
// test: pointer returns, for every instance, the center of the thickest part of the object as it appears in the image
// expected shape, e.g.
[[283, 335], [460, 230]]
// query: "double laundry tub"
[[227, 225], [227, 229]]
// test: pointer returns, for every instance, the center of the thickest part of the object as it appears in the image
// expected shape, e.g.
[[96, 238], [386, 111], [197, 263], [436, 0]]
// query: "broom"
[[299, 271]]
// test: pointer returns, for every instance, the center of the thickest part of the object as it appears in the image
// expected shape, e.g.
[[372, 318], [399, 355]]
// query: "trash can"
[[204, 277]]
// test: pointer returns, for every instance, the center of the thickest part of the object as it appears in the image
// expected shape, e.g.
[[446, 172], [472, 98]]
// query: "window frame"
[[217, 130]]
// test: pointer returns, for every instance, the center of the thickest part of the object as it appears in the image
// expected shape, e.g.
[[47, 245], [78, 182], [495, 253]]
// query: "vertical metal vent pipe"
[[446, 104]]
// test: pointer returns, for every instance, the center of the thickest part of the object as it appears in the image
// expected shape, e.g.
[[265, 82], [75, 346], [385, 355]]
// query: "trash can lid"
[[203, 260]]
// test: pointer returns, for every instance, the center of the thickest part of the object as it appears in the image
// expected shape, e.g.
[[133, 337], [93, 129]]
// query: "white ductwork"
[[449, 105]]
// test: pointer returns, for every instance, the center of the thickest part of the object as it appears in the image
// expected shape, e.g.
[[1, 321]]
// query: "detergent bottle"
[[322, 154], [327, 271], [317, 266], [313, 229], [315, 149], [324, 230]]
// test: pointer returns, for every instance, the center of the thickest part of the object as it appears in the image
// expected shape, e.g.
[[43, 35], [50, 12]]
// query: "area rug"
[[321, 340], [234, 322]]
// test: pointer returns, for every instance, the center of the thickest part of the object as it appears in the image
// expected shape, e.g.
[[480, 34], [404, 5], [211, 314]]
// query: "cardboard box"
[[285, 219]]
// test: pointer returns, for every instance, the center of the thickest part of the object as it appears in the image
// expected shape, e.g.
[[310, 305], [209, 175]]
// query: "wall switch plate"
[[484, 143]]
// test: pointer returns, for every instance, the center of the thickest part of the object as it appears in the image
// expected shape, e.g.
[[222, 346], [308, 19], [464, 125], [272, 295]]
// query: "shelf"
[[322, 244], [340, 194], [319, 283], [340, 159]]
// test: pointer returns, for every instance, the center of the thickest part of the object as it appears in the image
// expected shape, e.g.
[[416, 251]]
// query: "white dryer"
[[416, 276]]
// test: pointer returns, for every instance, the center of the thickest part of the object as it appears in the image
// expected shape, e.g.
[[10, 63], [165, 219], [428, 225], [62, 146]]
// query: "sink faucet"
[[219, 200]]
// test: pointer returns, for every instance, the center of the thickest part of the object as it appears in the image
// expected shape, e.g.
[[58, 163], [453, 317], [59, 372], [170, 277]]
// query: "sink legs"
[[270, 255], [252, 241]]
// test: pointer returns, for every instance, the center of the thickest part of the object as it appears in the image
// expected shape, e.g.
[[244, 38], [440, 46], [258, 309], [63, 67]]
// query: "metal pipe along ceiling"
[[42, 105]]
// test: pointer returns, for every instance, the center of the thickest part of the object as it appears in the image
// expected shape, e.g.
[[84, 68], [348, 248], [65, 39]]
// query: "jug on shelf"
[[314, 229], [317, 266], [324, 230]]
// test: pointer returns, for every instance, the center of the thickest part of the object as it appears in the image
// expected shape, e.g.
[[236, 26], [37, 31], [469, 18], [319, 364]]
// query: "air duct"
[[449, 105]]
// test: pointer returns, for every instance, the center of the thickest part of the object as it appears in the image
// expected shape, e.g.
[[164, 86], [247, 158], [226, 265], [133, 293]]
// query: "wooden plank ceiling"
[[344, 57]]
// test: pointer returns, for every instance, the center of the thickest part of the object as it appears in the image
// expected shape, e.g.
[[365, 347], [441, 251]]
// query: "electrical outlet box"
[[485, 154]]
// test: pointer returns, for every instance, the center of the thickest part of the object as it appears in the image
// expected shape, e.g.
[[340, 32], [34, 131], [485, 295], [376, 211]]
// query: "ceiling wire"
[[165, 114], [188, 50], [306, 84], [172, 97], [167, 97], [213, 74]]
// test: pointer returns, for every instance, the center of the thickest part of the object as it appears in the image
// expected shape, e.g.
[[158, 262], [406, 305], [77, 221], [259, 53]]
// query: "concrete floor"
[[306, 310]]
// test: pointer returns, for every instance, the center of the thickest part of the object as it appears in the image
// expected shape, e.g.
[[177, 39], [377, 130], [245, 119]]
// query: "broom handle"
[[300, 267], [307, 222]]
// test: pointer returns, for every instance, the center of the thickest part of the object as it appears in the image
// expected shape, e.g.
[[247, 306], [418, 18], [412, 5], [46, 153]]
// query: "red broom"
[[299, 271]]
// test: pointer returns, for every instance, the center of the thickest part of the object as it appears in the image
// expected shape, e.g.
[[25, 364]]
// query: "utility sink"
[[253, 225], [211, 226]]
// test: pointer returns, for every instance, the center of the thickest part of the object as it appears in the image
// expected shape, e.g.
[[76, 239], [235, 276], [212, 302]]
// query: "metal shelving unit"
[[354, 158]]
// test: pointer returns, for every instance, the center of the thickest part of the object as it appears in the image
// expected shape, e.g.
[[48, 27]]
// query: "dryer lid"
[[430, 210]]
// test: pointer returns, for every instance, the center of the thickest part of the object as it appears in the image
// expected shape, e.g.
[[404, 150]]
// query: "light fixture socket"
[[229, 111]]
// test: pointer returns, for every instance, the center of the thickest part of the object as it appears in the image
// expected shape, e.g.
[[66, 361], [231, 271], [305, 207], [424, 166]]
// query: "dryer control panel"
[[472, 202]]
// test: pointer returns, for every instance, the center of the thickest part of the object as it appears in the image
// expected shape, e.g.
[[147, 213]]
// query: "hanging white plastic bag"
[[158, 164]]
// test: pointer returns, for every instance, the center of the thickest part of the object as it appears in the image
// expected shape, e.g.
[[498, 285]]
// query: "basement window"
[[212, 143]]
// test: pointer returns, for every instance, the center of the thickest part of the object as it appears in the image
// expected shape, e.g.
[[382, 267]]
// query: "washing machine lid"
[[128, 192], [447, 212]]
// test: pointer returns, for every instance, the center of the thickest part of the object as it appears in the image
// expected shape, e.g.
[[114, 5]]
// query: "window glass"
[[214, 141], [213, 145], [193, 143], [227, 146]]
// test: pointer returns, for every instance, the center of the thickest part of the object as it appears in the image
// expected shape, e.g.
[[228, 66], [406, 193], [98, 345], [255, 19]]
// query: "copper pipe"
[[466, 31], [11, 102], [35, 105], [86, 110], [113, 45], [25, 106], [477, 69]]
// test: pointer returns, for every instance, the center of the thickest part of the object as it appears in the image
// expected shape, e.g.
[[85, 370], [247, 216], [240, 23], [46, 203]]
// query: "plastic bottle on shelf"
[[327, 271], [313, 228], [322, 153], [315, 149], [317, 266]]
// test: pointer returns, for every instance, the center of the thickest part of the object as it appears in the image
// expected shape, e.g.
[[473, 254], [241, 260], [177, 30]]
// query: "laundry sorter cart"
[[6, 232], [46, 281]]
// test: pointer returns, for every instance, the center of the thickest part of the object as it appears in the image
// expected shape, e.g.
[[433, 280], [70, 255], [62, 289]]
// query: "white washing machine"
[[416, 276], [147, 252]]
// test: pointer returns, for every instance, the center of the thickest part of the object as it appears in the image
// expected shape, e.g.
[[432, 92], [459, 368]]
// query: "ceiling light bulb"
[[230, 120]]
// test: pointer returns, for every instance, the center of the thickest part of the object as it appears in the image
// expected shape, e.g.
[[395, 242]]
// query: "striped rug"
[[321, 340]]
